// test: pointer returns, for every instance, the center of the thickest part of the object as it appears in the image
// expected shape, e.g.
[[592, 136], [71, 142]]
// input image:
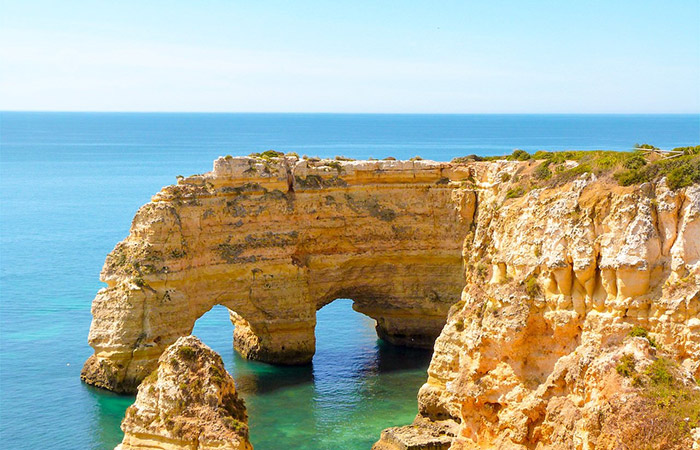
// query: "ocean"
[[70, 184]]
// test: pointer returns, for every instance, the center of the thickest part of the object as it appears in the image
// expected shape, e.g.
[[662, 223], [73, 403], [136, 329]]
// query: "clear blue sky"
[[356, 56]]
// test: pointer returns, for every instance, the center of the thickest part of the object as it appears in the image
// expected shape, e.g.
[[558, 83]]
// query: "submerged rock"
[[188, 402]]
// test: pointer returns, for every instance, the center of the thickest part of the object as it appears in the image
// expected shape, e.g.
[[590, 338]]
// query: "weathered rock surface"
[[188, 402], [274, 240], [555, 282]]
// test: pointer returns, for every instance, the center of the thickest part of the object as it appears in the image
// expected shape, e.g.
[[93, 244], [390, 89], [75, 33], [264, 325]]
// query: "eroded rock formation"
[[275, 239], [558, 283], [188, 403]]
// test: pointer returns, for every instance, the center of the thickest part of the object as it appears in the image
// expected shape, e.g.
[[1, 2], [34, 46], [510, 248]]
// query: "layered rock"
[[189, 402], [274, 239], [557, 282]]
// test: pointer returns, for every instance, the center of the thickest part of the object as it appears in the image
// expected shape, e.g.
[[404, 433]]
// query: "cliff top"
[[518, 173]]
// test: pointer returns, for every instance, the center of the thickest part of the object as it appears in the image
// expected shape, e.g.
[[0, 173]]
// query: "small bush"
[[677, 401], [688, 150], [646, 146], [638, 331], [271, 154], [515, 192], [336, 165], [466, 159], [186, 352], [568, 175], [542, 171], [531, 287], [684, 175], [660, 371], [629, 177], [217, 376], [626, 366], [635, 162], [236, 425], [518, 155]]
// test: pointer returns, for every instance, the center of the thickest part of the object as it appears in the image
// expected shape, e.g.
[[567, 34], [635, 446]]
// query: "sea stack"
[[188, 402]]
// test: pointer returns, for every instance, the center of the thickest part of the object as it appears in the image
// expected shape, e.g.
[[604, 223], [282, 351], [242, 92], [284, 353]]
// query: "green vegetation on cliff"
[[681, 166], [668, 405]]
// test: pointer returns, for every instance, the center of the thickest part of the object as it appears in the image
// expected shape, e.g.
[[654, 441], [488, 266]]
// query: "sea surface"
[[70, 184]]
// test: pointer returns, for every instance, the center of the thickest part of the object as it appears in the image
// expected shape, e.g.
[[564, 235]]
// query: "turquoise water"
[[70, 184]]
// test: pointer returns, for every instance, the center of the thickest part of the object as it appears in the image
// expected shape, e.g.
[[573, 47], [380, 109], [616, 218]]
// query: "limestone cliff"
[[579, 314], [274, 239], [579, 326], [188, 403]]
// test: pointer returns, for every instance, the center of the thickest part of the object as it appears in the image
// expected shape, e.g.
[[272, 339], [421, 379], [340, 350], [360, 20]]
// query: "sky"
[[356, 56]]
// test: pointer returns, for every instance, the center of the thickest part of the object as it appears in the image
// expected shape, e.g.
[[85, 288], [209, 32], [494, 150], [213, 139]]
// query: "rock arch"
[[275, 239]]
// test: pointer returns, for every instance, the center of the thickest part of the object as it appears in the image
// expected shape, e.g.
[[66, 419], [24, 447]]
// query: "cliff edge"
[[579, 324]]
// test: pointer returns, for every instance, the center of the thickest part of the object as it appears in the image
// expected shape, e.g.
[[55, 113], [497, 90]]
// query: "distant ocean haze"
[[71, 184]]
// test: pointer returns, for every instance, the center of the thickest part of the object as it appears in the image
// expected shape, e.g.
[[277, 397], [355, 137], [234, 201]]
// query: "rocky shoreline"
[[566, 312]]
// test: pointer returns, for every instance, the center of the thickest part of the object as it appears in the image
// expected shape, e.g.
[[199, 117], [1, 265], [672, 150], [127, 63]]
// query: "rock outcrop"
[[579, 325], [579, 313], [188, 403], [274, 239]]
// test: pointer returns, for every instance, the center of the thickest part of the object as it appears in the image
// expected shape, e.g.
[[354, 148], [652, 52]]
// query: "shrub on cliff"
[[667, 407], [518, 155], [466, 159], [680, 172], [267, 154], [542, 171]]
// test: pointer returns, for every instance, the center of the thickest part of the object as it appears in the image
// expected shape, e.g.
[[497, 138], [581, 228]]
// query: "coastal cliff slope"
[[189, 402], [571, 294], [274, 239], [579, 324]]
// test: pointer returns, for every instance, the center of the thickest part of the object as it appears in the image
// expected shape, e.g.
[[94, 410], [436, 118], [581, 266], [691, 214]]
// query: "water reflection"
[[254, 378]]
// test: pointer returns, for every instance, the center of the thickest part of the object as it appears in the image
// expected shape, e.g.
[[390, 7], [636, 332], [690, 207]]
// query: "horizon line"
[[350, 112]]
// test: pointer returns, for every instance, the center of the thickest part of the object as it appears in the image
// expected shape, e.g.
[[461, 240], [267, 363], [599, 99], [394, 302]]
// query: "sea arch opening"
[[356, 384], [362, 382]]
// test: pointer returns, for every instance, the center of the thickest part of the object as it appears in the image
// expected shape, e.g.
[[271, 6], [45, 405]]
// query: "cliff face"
[[578, 321], [189, 402], [275, 239], [579, 326]]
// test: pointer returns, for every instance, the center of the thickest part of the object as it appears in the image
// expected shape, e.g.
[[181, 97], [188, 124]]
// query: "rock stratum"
[[579, 324], [572, 306], [188, 403], [274, 240]]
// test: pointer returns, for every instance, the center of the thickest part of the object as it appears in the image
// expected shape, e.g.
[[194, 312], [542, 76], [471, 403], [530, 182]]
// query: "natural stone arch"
[[274, 239]]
